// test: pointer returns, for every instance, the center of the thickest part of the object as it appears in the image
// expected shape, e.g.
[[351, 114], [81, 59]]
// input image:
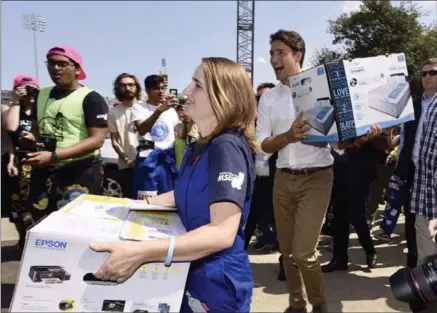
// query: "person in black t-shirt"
[[70, 121]]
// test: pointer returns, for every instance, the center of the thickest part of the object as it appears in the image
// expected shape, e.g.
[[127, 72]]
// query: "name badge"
[[143, 194]]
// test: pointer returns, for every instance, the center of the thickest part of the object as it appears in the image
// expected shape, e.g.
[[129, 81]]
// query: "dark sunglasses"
[[431, 73]]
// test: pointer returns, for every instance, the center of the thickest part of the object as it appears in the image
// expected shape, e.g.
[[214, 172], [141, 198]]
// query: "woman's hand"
[[124, 259]]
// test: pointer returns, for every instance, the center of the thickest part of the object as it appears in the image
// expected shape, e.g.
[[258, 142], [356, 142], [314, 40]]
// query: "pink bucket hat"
[[70, 53], [21, 80]]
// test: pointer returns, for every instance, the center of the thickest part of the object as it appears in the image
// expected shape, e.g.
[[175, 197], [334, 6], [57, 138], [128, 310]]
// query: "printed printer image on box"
[[48, 274], [342, 100], [315, 101]]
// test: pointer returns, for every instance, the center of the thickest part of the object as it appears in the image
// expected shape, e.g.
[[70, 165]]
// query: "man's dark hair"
[[291, 39], [265, 85], [153, 81], [117, 91]]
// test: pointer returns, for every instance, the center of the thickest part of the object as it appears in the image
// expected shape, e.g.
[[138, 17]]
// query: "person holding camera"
[[69, 128], [155, 166], [18, 124]]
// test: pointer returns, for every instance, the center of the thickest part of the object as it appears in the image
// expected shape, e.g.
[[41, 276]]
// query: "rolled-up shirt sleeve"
[[264, 127]]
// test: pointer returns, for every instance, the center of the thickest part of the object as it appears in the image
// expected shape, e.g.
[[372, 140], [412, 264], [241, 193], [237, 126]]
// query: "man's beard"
[[128, 96]]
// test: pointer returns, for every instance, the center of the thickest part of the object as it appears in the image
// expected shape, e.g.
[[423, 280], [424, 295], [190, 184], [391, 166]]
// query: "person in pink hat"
[[17, 124], [70, 128]]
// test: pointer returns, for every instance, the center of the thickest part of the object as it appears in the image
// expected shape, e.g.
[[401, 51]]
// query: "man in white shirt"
[[124, 136], [303, 180], [155, 167]]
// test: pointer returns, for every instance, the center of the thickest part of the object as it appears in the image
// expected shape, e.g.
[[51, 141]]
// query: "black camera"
[[46, 143], [417, 285], [145, 144], [19, 215], [32, 91]]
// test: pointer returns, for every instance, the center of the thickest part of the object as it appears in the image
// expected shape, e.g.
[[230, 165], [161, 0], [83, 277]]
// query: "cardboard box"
[[56, 272], [342, 100]]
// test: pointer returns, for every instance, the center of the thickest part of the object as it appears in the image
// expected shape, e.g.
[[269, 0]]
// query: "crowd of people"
[[233, 163]]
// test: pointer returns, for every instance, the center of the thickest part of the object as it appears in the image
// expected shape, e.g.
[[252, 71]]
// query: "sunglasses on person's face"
[[430, 73]]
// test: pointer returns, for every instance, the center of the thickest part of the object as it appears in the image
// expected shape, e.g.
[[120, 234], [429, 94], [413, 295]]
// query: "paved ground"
[[358, 290]]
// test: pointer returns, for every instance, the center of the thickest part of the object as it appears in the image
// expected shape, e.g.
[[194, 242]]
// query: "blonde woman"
[[212, 194]]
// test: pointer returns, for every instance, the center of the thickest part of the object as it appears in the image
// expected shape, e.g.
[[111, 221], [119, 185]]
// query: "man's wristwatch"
[[55, 158]]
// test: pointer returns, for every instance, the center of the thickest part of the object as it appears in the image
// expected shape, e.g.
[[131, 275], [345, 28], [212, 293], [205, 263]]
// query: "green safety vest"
[[64, 119], [180, 147]]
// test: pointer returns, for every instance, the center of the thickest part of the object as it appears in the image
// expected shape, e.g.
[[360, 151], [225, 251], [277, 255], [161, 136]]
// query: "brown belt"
[[304, 171]]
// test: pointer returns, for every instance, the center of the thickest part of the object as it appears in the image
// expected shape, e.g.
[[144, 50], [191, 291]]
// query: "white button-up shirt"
[[276, 113]]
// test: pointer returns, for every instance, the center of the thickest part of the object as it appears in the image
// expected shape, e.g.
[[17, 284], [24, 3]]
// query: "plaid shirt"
[[424, 189]]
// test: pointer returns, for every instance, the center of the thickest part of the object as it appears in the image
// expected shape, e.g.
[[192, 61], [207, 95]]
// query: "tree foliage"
[[378, 28], [325, 55]]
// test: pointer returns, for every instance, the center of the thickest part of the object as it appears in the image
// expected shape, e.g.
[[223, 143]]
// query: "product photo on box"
[[342, 100]]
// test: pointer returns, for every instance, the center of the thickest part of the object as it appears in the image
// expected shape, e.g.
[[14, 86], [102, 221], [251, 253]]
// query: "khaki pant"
[[300, 203], [426, 250]]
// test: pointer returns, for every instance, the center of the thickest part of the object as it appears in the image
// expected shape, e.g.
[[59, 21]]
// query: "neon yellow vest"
[[68, 130], [180, 147]]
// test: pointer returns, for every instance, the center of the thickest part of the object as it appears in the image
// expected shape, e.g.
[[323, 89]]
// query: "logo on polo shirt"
[[102, 116], [236, 180]]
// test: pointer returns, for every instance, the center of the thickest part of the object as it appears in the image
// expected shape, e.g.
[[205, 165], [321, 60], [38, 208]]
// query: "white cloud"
[[260, 60], [351, 6]]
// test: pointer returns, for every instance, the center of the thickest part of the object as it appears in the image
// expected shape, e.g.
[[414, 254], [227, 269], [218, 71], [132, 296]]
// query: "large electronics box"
[[56, 272], [342, 100]]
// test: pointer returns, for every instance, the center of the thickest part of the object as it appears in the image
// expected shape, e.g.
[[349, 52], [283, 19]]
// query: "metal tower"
[[245, 35]]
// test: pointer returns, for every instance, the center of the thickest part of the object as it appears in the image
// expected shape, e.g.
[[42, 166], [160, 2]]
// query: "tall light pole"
[[35, 23]]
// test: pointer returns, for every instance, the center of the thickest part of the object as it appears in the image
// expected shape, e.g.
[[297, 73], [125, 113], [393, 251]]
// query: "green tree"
[[325, 55], [378, 28]]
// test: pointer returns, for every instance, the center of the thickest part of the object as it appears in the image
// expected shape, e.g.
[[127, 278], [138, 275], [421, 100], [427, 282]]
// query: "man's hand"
[[12, 169], [170, 102], [39, 159], [432, 229], [298, 129], [374, 131]]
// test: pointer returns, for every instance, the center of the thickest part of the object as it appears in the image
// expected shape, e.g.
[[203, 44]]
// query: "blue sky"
[[121, 36]]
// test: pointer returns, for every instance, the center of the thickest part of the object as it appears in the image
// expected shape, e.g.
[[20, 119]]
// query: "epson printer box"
[[56, 271], [342, 100]]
